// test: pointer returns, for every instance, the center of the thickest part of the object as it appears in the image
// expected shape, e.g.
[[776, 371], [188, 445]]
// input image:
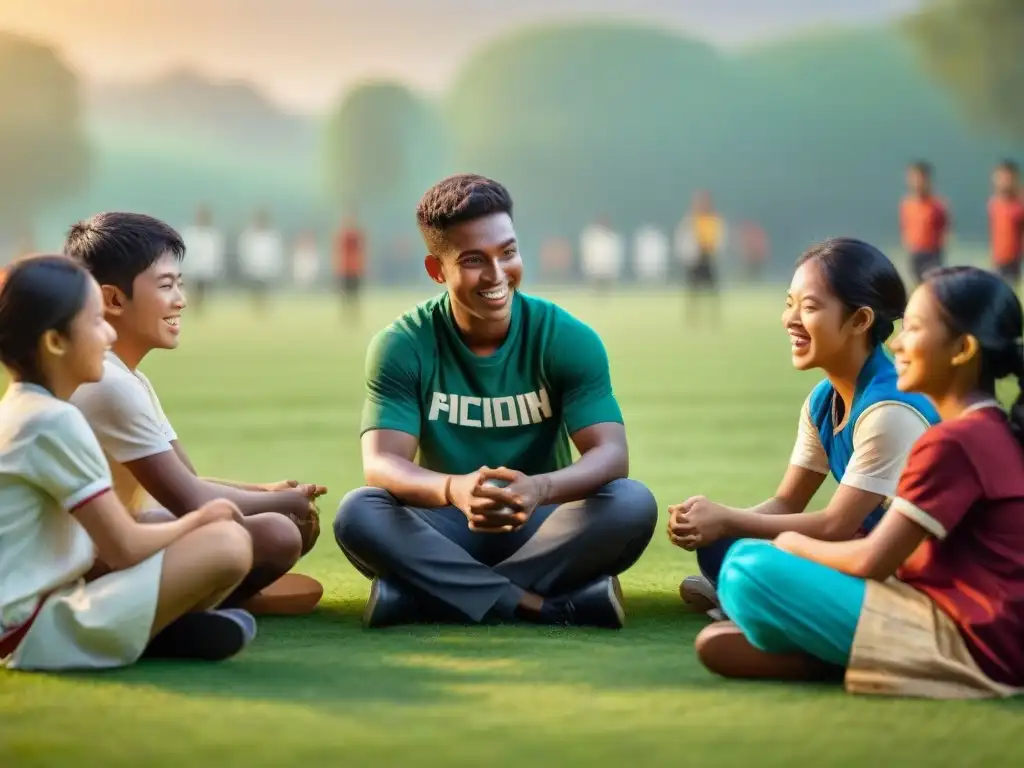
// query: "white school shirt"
[[305, 265], [50, 465], [125, 413], [882, 439], [261, 254], [650, 254], [602, 251], [204, 250]]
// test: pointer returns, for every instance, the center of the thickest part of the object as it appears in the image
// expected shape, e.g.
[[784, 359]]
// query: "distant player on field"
[[136, 259], [1006, 216], [756, 249], [856, 425], [699, 240], [602, 255], [205, 244], [484, 384], [924, 221], [58, 511], [650, 255], [350, 265], [261, 257]]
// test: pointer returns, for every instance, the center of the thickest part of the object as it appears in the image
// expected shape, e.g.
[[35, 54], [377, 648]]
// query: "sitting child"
[[137, 261]]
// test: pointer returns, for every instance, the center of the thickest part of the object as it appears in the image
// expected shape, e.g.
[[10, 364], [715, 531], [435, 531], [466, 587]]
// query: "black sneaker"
[[389, 606], [205, 635], [599, 604]]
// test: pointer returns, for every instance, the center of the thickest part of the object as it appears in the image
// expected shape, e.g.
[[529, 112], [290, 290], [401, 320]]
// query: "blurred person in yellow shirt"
[[699, 241]]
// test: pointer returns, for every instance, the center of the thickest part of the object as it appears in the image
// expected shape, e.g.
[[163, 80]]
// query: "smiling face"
[[152, 315], [75, 357], [925, 351], [481, 267], [91, 336], [821, 328]]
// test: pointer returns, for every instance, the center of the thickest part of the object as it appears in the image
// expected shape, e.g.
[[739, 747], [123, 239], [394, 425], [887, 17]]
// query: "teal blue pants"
[[784, 603]]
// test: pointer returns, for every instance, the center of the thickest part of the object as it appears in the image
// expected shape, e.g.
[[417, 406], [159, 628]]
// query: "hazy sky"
[[304, 52]]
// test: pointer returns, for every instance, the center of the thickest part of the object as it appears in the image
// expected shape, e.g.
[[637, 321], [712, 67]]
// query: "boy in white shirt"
[[136, 259], [602, 252], [205, 246], [650, 254], [261, 255]]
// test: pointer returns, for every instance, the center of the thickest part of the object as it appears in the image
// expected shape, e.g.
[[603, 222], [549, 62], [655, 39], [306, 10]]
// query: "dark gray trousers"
[[561, 548]]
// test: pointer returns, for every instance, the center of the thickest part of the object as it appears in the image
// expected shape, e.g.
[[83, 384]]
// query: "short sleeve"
[[580, 369], [938, 486], [392, 384], [882, 440], [66, 461], [808, 452], [161, 415], [124, 417]]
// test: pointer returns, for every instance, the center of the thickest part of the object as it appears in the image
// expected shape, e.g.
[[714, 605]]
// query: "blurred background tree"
[[45, 155], [976, 49]]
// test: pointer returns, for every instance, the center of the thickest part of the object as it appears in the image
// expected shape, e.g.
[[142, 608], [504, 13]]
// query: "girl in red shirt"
[[931, 602]]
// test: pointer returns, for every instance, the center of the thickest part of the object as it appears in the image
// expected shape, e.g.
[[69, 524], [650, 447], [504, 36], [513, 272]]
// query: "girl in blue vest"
[[841, 307]]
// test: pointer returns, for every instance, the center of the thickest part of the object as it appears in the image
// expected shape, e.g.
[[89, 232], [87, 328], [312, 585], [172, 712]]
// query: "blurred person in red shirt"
[[1006, 219], [924, 221], [754, 242], [556, 259], [350, 264]]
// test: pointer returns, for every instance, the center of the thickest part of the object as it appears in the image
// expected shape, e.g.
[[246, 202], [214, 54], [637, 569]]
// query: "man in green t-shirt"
[[475, 510]]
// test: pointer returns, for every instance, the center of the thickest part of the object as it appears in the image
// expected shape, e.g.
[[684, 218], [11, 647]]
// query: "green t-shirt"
[[515, 408]]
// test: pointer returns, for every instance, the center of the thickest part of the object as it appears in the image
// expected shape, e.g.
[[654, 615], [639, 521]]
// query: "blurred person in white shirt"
[[261, 256], [204, 244], [603, 251], [306, 260], [650, 254]]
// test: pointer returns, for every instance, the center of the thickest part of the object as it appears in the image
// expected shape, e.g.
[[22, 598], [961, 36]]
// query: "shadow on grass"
[[329, 658]]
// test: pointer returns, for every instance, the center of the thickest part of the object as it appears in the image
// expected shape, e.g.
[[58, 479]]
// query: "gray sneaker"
[[699, 596]]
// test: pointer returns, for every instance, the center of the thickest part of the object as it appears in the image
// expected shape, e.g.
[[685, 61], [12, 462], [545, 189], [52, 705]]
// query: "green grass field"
[[264, 398]]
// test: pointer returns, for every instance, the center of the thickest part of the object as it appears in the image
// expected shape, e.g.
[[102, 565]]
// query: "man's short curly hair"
[[458, 199]]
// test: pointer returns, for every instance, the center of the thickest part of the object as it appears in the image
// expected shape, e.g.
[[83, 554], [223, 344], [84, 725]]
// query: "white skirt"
[[97, 625]]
